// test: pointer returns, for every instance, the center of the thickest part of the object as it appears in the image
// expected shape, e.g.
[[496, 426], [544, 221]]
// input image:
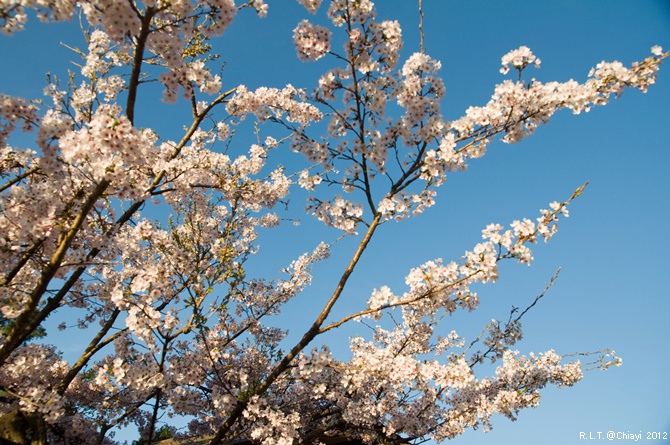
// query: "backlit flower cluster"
[[354, 12], [107, 146], [28, 376], [272, 102], [519, 59], [434, 286], [14, 13], [338, 213], [12, 111], [312, 42], [310, 5], [517, 108]]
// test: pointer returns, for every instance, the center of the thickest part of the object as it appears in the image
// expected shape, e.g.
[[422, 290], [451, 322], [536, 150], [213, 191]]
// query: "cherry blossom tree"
[[176, 327]]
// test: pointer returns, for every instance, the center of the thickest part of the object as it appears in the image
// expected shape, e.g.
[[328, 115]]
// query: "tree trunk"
[[19, 428]]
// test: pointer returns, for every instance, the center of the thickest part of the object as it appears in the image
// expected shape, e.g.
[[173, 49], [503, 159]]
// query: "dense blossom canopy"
[[177, 328]]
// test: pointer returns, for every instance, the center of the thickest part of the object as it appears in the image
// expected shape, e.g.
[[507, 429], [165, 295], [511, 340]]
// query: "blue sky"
[[612, 291]]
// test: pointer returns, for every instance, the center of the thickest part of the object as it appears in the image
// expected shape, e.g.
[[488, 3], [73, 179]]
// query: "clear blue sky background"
[[613, 250]]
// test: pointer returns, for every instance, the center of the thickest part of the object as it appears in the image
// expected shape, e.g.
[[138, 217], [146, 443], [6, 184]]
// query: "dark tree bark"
[[20, 428]]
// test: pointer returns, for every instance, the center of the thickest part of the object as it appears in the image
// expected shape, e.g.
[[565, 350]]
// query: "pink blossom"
[[312, 42]]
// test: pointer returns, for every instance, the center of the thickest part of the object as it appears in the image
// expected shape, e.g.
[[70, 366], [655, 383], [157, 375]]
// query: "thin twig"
[[421, 36]]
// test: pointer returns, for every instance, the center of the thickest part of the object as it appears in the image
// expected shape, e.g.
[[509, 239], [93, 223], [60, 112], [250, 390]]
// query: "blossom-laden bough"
[[176, 327]]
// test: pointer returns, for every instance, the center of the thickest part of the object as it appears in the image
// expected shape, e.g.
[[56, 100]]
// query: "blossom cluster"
[[434, 286], [20, 379], [385, 379], [517, 108], [266, 103], [519, 58], [108, 143], [310, 5], [419, 94], [12, 111], [312, 42], [14, 14], [337, 212], [357, 12]]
